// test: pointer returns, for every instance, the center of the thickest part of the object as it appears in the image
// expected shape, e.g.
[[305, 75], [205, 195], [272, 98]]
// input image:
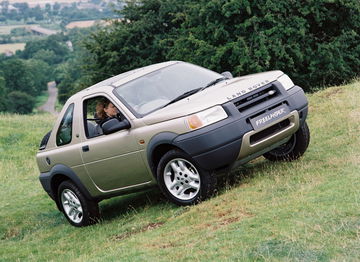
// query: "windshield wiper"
[[186, 94], [193, 91], [214, 82]]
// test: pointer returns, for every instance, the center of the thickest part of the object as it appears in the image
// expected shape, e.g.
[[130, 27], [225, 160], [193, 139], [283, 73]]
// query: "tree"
[[2, 93], [71, 75], [315, 42], [56, 8], [48, 8], [4, 7], [41, 73], [46, 55], [18, 76], [20, 102], [28, 76], [142, 38], [53, 45]]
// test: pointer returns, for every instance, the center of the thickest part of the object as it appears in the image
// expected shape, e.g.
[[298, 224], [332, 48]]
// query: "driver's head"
[[105, 108]]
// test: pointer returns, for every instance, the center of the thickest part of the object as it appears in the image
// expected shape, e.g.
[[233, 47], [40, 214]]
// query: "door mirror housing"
[[227, 74], [114, 125]]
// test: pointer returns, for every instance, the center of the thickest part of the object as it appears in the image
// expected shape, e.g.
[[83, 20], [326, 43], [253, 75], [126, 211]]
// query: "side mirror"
[[113, 125], [227, 74]]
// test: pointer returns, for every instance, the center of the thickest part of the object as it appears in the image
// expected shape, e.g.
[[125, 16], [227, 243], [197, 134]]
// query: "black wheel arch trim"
[[164, 138], [47, 180]]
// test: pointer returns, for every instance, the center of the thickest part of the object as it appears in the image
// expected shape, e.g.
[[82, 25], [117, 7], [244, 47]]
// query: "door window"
[[64, 133], [98, 110]]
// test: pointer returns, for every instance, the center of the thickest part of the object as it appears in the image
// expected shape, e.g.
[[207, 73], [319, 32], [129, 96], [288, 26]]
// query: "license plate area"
[[270, 116]]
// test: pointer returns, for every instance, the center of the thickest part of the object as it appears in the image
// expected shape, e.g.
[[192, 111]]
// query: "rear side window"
[[64, 133]]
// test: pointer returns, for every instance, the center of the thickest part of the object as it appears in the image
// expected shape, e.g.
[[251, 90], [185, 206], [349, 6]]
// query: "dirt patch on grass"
[[331, 92], [11, 233], [167, 245], [223, 222], [228, 221], [145, 228], [224, 218], [223, 213]]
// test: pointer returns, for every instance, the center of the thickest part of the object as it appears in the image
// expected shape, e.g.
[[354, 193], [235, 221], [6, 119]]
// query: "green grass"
[[58, 106], [53, 26], [307, 210], [41, 99]]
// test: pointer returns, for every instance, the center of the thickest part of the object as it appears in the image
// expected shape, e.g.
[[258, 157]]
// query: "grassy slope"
[[41, 100], [305, 210]]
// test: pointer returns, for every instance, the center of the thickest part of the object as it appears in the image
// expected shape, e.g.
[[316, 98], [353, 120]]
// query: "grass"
[[307, 210], [58, 106], [6, 29], [11, 47], [41, 99], [52, 26]]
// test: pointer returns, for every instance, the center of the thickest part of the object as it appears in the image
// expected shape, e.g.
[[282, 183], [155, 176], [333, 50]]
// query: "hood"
[[213, 95]]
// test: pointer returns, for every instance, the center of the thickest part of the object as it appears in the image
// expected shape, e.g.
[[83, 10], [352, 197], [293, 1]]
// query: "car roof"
[[123, 78]]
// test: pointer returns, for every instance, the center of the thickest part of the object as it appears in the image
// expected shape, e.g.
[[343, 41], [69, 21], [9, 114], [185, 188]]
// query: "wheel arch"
[[60, 173], [158, 146]]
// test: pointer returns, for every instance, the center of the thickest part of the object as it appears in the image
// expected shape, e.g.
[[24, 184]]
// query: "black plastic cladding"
[[219, 144], [59, 169]]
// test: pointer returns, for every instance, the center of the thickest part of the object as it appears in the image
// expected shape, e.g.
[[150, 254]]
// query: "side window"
[[64, 133], [98, 110]]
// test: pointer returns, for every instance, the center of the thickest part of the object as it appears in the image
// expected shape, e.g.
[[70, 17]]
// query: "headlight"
[[206, 117], [286, 82]]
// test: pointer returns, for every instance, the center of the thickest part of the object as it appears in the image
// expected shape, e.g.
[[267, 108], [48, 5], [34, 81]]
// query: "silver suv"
[[173, 124]]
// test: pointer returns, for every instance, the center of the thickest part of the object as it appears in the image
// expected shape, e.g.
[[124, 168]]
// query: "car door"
[[65, 145], [112, 161]]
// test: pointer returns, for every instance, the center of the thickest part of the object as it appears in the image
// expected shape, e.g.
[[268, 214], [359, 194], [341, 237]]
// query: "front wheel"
[[77, 209], [292, 149], [182, 181]]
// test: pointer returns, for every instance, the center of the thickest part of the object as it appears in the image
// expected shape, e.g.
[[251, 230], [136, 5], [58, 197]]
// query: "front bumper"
[[221, 144]]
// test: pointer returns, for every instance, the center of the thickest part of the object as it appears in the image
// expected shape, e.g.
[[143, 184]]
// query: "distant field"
[[88, 23], [6, 29], [81, 24], [11, 47], [43, 2]]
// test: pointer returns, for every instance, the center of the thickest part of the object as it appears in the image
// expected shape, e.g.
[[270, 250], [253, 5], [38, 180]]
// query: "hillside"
[[307, 210]]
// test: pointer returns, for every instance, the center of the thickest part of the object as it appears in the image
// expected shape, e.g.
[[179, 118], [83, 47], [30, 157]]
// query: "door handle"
[[85, 148]]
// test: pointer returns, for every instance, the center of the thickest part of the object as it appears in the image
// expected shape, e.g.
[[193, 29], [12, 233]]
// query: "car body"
[[178, 126]]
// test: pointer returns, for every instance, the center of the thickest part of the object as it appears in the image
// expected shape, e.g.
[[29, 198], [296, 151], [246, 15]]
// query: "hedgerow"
[[316, 42]]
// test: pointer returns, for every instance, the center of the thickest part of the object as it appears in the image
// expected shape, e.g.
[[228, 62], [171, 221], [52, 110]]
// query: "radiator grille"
[[256, 97]]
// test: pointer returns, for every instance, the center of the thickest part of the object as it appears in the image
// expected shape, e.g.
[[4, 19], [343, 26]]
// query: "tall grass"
[[307, 210]]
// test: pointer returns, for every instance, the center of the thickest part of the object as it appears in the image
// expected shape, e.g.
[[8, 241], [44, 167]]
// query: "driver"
[[105, 110]]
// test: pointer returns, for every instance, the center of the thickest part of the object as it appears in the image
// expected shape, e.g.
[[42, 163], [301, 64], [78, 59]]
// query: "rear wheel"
[[77, 209], [292, 149], [182, 181]]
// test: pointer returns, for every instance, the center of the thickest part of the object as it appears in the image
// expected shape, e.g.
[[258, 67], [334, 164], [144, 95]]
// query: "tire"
[[294, 148], [182, 181], [76, 208]]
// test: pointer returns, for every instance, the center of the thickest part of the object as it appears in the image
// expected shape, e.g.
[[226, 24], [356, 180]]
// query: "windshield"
[[157, 89]]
